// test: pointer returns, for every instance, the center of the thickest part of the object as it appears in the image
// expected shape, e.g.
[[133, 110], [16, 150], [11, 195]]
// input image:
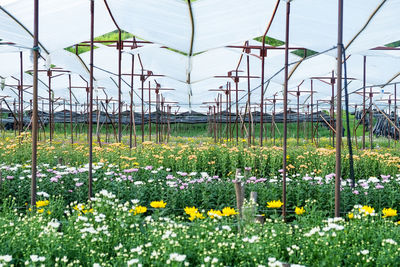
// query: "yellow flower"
[[86, 211], [214, 213], [191, 210], [350, 215], [228, 211], [139, 210], [389, 212], [274, 204], [42, 203], [367, 210], [48, 212], [196, 215], [299, 211], [158, 204], [40, 211]]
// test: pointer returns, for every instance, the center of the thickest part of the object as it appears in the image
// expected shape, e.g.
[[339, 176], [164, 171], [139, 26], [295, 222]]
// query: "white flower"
[[43, 194], [118, 247], [364, 252], [54, 223], [34, 258], [177, 257], [132, 261], [6, 258], [226, 227], [389, 241], [96, 265]]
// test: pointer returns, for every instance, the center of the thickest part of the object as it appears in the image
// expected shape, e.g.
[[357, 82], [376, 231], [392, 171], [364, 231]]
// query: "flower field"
[[175, 204]]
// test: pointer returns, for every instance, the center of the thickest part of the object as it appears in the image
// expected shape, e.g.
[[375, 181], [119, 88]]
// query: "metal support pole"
[[249, 98], [230, 110], [142, 95], [237, 108], [119, 86], [50, 107], [339, 110], [312, 112], [91, 101], [262, 91], [285, 105], [371, 95], [131, 106], [395, 112], [21, 107], [273, 120], [364, 83], [70, 109], [298, 114], [65, 129], [35, 102], [149, 112], [332, 111]]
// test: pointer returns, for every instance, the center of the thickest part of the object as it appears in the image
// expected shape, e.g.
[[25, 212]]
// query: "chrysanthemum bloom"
[[214, 213], [389, 212], [274, 204], [190, 210], [228, 211], [367, 210], [158, 204], [42, 203], [350, 215], [196, 215], [138, 210], [299, 210]]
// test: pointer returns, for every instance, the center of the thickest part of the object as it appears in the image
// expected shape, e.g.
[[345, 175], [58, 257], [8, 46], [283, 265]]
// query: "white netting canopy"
[[198, 46]]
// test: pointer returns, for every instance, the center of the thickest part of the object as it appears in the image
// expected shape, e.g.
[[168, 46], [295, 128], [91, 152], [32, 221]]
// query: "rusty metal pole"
[[219, 125], [285, 105], [273, 119], [226, 116], [90, 181], [70, 109], [131, 105], [120, 44], [371, 95], [332, 111], [390, 117], [395, 112], [237, 108], [248, 97], [316, 130], [215, 122], [21, 109], [298, 114], [230, 110], [338, 170], [35, 102], [364, 83], [142, 95], [16, 123], [157, 117], [312, 111], [149, 112], [262, 91], [65, 129], [50, 107]]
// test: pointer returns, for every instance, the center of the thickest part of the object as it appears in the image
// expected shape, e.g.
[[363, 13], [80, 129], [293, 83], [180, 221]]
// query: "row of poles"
[[144, 76]]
